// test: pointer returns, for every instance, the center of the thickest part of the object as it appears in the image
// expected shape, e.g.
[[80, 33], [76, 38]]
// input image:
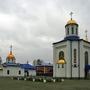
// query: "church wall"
[[13, 71], [68, 60], [83, 47], [58, 71], [32, 72], [75, 65], [82, 62]]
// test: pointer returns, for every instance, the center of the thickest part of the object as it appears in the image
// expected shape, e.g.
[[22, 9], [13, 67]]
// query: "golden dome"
[[71, 22], [61, 61], [10, 56]]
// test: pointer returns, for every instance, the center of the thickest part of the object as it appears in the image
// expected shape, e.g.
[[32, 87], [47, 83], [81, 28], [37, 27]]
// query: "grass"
[[9, 84]]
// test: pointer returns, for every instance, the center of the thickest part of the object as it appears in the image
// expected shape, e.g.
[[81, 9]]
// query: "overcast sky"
[[31, 26]]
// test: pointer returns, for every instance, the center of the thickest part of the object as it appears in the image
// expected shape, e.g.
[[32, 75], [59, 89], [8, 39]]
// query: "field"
[[9, 84]]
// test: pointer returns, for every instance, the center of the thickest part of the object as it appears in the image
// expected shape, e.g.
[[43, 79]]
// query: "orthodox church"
[[71, 55], [11, 68]]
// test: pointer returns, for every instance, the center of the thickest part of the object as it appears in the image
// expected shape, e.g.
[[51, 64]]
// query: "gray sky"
[[31, 26]]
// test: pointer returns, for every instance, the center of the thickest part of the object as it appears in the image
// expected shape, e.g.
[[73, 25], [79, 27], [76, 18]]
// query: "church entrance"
[[26, 73]]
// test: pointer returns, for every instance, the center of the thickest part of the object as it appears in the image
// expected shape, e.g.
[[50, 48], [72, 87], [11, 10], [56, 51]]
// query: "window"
[[62, 65], [72, 30], [61, 55], [8, 72], [76, 31], [67, 31], [86, 58], [19, 72], [58, 66], [75, 55]]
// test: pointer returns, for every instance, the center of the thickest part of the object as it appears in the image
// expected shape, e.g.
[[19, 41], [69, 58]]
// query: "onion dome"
[[10, 58], [71, 21]]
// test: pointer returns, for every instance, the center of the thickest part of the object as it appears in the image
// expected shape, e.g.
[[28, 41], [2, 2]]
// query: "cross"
[[71, 13], [86, 35], [11, 48], [86, 31]]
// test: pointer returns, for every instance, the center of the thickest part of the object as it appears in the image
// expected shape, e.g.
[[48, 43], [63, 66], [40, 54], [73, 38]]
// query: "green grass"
[[9, 84]]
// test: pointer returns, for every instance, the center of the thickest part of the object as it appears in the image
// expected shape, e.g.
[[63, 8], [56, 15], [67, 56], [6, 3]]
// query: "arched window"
[[75, 55], [86, 58], [72, 30], [8, 72], [61, 54], [67, 31]]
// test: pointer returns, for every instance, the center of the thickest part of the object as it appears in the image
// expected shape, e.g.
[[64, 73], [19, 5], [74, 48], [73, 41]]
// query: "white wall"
[[32, 72], [58, 72], [13, 71]]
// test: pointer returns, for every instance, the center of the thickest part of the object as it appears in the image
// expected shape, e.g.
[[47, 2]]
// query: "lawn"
[[9, 84]]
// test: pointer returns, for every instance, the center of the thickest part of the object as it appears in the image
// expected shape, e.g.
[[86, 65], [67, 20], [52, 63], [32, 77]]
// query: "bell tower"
[[71, 29]]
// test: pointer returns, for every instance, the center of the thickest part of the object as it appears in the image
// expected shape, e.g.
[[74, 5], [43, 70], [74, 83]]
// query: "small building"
[[44, 70]]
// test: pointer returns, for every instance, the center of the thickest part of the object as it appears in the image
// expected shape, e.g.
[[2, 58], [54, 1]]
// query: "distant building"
[[37, 62]]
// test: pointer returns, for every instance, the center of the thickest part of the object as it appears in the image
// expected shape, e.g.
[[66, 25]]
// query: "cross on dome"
[[11, 48], [71, 13]]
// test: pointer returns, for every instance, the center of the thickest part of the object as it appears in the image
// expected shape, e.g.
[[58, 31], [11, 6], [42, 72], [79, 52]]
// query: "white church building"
[[72, 54], [12, 69]]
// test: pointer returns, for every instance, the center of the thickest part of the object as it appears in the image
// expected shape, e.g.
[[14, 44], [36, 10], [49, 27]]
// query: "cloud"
[[33, 25]]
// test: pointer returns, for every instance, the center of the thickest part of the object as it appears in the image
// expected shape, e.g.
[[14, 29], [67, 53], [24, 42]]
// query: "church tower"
[[71, 29], [10, 58]]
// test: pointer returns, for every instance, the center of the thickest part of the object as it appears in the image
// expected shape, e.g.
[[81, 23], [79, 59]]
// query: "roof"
[[71, 40], [11, 65], [27, 66]]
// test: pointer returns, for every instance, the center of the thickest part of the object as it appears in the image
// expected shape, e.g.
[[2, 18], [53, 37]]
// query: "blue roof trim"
[[11, 65], [72, 38]]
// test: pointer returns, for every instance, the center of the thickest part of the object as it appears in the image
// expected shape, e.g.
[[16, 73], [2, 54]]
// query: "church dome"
[[61, 61], [71, 22], [10, 58]]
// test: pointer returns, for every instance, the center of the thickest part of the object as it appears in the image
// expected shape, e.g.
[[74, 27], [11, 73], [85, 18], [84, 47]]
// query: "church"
[[10, 68], [71, 55]]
